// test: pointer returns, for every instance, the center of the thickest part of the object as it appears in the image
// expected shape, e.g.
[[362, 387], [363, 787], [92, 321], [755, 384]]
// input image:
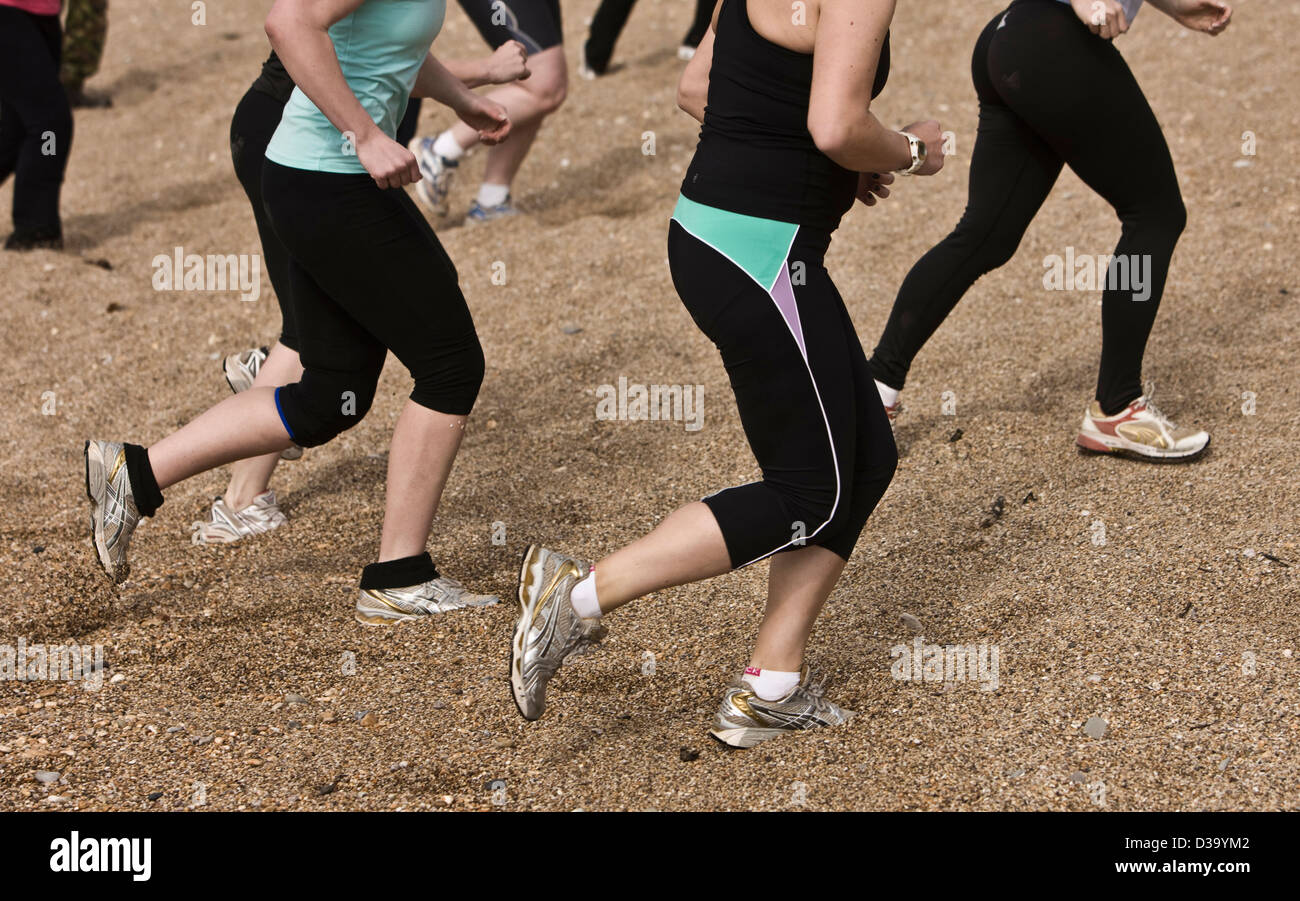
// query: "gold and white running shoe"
[[744, 719], [549, 630], [240, 370], [225, 525], [1142, 432], [386, 606], [113, 514]]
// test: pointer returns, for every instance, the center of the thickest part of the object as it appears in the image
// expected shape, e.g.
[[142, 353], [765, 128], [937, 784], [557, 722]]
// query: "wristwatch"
[[917, 147]]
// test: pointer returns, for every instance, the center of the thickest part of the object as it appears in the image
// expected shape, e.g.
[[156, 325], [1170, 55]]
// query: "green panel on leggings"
[[758, 246]]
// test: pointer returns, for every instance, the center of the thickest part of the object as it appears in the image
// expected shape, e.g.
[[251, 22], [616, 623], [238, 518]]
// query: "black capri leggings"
[[1050, 93], [809, 409], [367, 275], [255, 120]]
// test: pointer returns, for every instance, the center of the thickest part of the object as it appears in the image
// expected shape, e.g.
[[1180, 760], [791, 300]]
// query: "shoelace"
[[1160, 417], [815, 691]]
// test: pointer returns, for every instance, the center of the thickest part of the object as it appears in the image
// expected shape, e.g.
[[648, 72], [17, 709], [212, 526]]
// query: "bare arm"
[[299, 33], [1209, 16], [693, 87], [508, 63], [849, 38]]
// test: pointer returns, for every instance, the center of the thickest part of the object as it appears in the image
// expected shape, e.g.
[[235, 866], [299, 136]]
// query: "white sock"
[[770, 684], [583, 598], [888, 395], [448, 147], [492, 195]]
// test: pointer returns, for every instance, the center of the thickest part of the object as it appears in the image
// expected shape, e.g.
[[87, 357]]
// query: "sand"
[[1160, 600]]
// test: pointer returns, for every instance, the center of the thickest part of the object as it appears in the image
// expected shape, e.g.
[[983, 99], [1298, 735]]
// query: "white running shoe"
[[113, 514], [549, 631], [437, 173], [240, 370], [1142, 432], [744, 719], [386, 606], [225, 525]]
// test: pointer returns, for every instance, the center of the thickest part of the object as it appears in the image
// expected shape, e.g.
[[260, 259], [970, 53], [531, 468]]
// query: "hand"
[[872, 185], [1209, 16], [1104, 18], [508, 63], [929, 131], [389, 163], [485, 116]]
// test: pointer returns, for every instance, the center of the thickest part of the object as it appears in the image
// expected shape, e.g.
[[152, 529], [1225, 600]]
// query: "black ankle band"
[[400, 573], [144, 487]]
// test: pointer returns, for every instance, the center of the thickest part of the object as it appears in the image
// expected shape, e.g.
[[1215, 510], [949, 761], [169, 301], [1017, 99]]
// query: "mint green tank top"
[[380, 48]]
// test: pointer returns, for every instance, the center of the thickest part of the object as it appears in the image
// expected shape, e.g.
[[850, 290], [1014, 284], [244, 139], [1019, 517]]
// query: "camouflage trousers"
[[84, 33]]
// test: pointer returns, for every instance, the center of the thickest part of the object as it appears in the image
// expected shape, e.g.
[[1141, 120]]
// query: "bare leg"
[[246, 425], [251, 477], [798, 584], [527, 102], [423, 449], [688, 546], [685, 547]]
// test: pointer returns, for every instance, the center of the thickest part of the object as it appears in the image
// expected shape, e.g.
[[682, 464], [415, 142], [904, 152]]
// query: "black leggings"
[[809, 409], [255, 120], [607, 24], [367, 275], [1050, 93], [35, 119]]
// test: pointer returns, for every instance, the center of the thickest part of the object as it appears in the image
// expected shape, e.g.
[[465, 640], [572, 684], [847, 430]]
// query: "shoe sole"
[[378, 616], [96, 485], [1090, 445], [380, 619], [744, 736], [526, 609]]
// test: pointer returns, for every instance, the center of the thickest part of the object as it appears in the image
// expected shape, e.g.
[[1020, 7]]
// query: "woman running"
[[535, 24], [785, 136], [1053, 91], [607, 24], [366, 275], [248, 506]]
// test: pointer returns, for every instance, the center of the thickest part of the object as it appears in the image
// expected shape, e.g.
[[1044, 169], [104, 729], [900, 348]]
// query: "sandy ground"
[[1161, 600]]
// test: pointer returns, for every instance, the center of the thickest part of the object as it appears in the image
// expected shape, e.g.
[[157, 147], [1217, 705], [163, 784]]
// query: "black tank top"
[[274, 80], [755, 154]]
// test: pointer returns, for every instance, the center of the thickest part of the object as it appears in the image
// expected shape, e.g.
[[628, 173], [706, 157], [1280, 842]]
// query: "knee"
[[1173, 216], [1161, 220], [322, 406], [992, 247], [549, 83], [817, 506], [552, 94], [450, 384]]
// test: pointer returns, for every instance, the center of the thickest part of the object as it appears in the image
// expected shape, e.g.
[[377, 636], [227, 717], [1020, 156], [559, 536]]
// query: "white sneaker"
[[1142, 432], [225, 525]]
